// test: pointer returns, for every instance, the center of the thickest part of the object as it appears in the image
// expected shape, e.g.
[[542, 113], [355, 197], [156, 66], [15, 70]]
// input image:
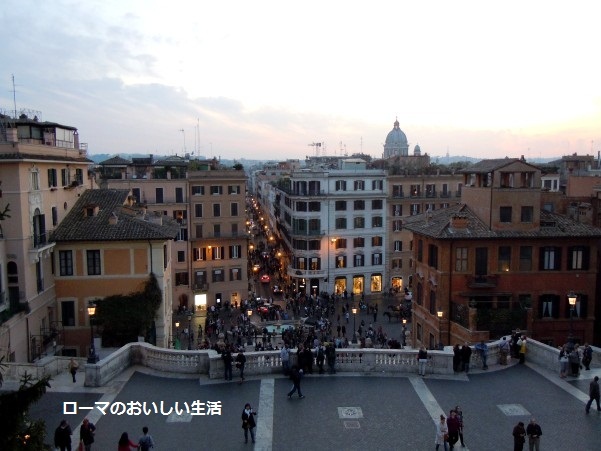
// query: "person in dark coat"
[[295, 375], [519, 437], [248, 422], [466, 355], [62, 436], [593, 392], [457, 358], [86, 434], [453, 425], [240, 362], [227, 363]]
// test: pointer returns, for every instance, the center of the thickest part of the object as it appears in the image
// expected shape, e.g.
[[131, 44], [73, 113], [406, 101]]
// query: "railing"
[[294, 272], [483, 281]]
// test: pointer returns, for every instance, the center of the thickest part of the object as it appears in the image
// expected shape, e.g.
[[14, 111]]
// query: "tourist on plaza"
[[593, 392], [519, 437], [248, 422], [503, 351], [227, 363], [73, 366], [587, 356], [321, 356], [442, 434], [459, 415], [515, 349], [453, 425], [534, 431], [295, 376], [86, 434], [522, 348], [375, 313], [574, 359], [145, 443], [457, 367], [422, 359], [125, 444], [466, 355], [240, 362], [482, 349], [62, 436], [331, 357], [308, 360], [563, 361], [285, 356]]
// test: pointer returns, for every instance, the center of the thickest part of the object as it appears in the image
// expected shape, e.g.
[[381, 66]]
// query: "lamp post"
[[403, 342], [572, 298], [189, 332], [440, 345], [177, 344], [92, 358], [249, 340], [354, 310]]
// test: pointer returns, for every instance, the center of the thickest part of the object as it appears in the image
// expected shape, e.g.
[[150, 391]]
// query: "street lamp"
[[92, 358], [572, 298], [189, 332], [354, 310], [403, 344], [440, 345], [249, 340], [176, 342]]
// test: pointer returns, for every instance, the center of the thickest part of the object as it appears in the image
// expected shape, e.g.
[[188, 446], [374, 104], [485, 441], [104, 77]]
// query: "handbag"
[[81, 446], [446, 437]]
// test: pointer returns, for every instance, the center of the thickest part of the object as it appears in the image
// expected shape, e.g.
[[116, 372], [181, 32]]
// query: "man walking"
[[295, 375], [534, 432], [593, 392], [146, 442], [285, 356]]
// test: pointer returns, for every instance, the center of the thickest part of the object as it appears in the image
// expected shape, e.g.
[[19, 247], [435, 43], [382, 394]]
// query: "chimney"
[[113, 219], [459, 222]]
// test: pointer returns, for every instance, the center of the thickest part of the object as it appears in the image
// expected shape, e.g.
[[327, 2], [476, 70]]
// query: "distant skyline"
[[265, 79]]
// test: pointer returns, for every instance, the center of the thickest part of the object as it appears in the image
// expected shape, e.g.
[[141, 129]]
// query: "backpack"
[[144, 443]]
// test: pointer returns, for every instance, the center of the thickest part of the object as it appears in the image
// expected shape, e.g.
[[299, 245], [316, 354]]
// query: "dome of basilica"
[[396, 137]]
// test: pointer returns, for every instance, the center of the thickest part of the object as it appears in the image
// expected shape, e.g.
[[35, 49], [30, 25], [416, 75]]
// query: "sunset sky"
[[264, 79]]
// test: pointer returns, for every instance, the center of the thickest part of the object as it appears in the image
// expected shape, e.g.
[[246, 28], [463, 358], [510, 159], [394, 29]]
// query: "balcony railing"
[[295, 272], [484, 281]]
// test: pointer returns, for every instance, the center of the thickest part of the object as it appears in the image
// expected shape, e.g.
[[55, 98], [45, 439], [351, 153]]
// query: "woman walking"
[[248, 422], [442, 433]]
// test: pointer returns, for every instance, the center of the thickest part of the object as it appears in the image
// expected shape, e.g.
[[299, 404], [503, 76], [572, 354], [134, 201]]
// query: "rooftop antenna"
[[14, 96], [316, 147], [184, 133], [361, 147]]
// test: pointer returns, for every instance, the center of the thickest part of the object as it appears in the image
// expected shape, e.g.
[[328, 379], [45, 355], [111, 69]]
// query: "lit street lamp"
[[440, 345], [189, 332], [354, 310], [404, 337], [92, 358], [249, 340], [572, 298], [177, 342]]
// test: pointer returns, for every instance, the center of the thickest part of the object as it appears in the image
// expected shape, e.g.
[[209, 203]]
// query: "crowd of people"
[[87, 432]]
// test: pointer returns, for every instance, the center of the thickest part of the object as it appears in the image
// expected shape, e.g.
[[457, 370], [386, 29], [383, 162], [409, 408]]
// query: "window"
[[217, 253], [65, 177], [79, 176], [233, 189], [200, 253], [397, 210], [68, 313], [93, 260], [504, 258], [461, 259], [505, 214], [135, 192], [525, 258], [181, 278], [397, 263], [181, 256], [182, 235], [359, 242], [376, 283], [314, 245], [432, 302], [433, 256], [314, 206], [376, 259], [216, 230], [377, 185], [415, 190], [236, 251], [341, 243], [359, 205], [358, 259], [430, 190], [341, 223], [218, 275], [549, 306], [578, 257], [398, 246], [315, 263], [550, 258], [216, 190], [377, 204], [359, 185], [234, 209], [52, 178], [359, 222], [340, 261], [397, 191], [397, 225], [301, 206], [376, 221], [198, 230], [314, 226], [235, 274], [54, 216], [420, 250], [527, 214], [216, 210], [65, 259], [234, 229], [198, 210], [340, 185], [198, 190], [340, 205], [415, 209], [179, 195], [376, 241]]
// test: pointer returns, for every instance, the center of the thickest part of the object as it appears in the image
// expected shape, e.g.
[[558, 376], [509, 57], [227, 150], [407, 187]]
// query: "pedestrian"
[[519, 437], [522, 349], [482, 349], [459, 414], [240, 362], [321, 356], [125, 444], [285, 357], [457, 358], [593, 392], [587, 356], [442, 434], [563, 361], [248, 422], [574, 359], [145, 442], [73, 366], [453, 425], [62, 436], [295, 375], [422, 359], [534, 432], [466, 355], [86, 434], [227, 363], [503, 351], [375, 313], [331, 357]]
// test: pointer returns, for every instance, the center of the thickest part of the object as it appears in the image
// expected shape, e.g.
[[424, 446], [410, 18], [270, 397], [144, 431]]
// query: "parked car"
[[265, 278]]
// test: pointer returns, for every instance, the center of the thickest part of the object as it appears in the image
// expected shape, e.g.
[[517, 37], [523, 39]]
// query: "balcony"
[[306, 273], [201, 287], [487, 281]]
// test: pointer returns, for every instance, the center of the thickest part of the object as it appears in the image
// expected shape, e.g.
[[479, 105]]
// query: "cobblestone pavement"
[[340, 412]]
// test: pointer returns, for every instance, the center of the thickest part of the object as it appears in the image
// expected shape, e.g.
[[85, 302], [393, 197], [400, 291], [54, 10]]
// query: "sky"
[[268, 79]]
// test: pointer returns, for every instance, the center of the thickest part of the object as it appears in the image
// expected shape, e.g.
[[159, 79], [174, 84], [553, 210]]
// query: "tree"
[[18, 431], [238, 167]]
